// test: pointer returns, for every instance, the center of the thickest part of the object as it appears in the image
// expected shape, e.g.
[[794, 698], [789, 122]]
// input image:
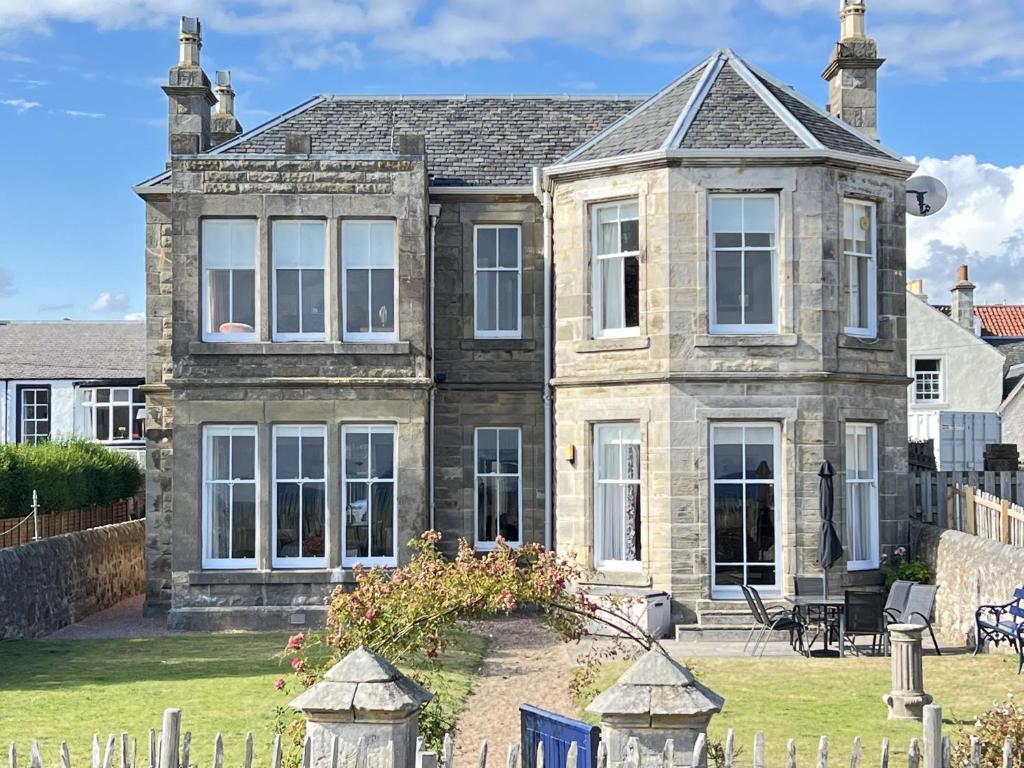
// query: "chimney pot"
[[190, 38], [961, 274]]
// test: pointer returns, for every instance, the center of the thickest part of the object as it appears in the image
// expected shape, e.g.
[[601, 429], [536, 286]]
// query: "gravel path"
[[526, 663], [122, 620]]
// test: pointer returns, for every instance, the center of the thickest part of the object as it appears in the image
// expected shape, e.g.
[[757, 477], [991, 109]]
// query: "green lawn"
[[70, 689], [805, 699]]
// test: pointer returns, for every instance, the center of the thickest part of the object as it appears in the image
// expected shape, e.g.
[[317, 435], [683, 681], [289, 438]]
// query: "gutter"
[[435, 212], [544, 195]]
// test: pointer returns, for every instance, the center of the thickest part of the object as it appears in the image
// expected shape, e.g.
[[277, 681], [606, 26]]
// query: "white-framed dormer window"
[[300, 495], [229, 496], [862, 496], [369, 280], [860, 260], [228, 257], [369, 533], [927, 380], [743, 275], [298, 251], [617, 535], [616, 268], [114, 414], [498, 268], [498, 481]]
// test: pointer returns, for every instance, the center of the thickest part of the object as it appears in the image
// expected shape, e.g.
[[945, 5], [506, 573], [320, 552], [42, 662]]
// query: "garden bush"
[[1004, 722], [69, 474]]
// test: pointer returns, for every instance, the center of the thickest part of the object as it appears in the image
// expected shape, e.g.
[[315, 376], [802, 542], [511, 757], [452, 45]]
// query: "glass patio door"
[[745, 541]]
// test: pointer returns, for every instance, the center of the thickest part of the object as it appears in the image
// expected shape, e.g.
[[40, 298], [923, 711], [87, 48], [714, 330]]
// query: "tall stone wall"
[[57, 581], [970, 571]]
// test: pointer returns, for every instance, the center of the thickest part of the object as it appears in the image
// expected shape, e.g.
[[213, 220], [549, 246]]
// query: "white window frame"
[[369, 336], [301, 335], [871, 431], [742, 329], [516, 333], [731, 591], [629, 566], [300, 431], [92, 406], [939, 379], [243, 430], [870, 330], [491, 545], [595, 263], [208, 335], [23, 421], [368, 429]]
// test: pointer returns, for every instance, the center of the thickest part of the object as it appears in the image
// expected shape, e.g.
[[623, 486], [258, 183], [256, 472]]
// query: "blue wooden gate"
[[556, 733]]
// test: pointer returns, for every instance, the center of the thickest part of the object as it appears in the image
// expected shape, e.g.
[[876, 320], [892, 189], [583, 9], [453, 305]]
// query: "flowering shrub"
[[1004, 721], [900, 567], [408, 614]]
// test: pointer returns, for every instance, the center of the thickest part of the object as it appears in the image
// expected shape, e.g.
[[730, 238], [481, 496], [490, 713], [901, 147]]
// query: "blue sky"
[[82, 116]]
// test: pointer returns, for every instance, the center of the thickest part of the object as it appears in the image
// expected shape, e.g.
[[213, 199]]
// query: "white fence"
[[982, 514], [169, 748], [928, 492]]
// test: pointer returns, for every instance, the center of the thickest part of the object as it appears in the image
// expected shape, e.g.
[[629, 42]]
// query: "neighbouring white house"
[[966, 363], [64, 379]]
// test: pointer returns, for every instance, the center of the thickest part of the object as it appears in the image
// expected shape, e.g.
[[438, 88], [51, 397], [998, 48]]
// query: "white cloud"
[[7, 282], [20, 105], [28, 83], [982, 226], [109, 301], [135, 317], [77, 113]]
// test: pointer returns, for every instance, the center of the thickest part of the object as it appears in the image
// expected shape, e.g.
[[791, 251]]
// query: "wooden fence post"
[[171, 737], [970, 520], [932, 722], [1004, 521]]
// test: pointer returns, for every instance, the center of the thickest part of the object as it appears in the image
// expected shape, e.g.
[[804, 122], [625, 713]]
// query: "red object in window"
[[236, 328]]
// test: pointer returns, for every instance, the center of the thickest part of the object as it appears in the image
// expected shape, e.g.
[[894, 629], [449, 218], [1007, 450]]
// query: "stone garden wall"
[[51, 583], [970, 571]]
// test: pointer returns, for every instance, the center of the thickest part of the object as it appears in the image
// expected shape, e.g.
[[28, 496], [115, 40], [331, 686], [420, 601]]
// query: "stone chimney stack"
[[852, 71], [224, 124], [189, 95], [962, 307], [916, 287]]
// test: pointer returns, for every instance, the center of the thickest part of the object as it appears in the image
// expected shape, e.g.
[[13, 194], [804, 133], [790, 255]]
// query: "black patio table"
[[834, 602]]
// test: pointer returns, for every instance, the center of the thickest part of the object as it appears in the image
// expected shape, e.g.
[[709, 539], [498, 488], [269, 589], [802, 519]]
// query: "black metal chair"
[[767, 623], [820, 618], [896, 600], [918, 610], [864, 616]]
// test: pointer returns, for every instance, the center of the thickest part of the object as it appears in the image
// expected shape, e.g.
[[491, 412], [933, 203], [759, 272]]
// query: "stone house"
[[73, 379], [628, 328]]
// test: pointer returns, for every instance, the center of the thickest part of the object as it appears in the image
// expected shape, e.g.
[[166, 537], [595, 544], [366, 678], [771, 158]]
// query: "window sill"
[[492, 345], [298, 348], [613, 344], [846, 341], [623, 578], [746, 340], [279, 576]]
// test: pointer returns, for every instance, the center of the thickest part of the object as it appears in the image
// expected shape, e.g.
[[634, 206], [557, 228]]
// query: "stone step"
[[703, 633]]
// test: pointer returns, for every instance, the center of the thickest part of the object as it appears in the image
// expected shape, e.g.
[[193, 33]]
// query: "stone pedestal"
[[655, 700], [907, 699], [362, 698]]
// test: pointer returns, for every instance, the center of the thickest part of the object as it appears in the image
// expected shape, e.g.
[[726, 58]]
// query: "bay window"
[[229, 279], [862, 495], [616, 268], [300, 495], [229, 496], [497, 263], [369, 280], [498, 482], [743, 293], [370, 504], [298, 251], [617, 541], [114, 414], [859, 267]]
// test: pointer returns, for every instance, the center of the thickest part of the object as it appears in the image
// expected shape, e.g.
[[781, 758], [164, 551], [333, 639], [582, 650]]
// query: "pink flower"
[[279, 685], [370, 615], [297, 664], [295, 642]]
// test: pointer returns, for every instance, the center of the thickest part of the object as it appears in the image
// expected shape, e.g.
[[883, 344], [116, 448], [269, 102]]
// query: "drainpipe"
[[435, 212], [7, 414], [544, 195]]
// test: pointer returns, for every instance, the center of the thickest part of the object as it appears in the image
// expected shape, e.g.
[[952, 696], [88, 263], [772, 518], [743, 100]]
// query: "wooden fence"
[[928, 492], [15, 531], [981, 514], [171, 749]]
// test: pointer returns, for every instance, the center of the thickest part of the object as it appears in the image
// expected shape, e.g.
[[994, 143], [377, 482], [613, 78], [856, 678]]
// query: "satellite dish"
[[926, 196]]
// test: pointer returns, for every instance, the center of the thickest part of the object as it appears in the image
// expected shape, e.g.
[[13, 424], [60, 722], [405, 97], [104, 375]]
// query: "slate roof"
[[997, 320], [81, 351], [471, 140], [726, 104]]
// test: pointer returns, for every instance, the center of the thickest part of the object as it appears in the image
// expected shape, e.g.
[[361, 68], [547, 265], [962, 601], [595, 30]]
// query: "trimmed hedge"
[[70, 474]]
